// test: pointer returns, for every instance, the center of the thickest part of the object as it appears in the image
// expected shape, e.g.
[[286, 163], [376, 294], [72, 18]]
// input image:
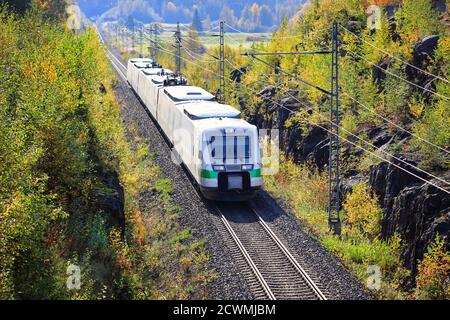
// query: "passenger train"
[[218, 148]]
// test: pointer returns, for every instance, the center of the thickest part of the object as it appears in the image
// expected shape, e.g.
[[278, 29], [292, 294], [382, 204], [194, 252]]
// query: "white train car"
[[150, 80], [133, 68], [220, 150]]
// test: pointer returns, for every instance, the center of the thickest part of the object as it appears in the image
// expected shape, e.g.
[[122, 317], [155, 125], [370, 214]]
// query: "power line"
[[378, 149], [394, 124], [398, 77], [368, 143], [288, 74], [392, 56], [241, 72], [362, 148], [192, 55], [189, 61]]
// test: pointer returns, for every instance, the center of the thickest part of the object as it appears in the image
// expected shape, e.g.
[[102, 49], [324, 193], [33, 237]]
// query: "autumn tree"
[[362, 211], [433, 276]]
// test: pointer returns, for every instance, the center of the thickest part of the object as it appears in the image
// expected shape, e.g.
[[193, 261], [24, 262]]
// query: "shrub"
[[433, 276], [434, 128], [362, 211], [417, 19]]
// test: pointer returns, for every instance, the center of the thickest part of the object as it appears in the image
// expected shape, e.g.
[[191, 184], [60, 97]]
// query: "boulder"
[[425, 49]]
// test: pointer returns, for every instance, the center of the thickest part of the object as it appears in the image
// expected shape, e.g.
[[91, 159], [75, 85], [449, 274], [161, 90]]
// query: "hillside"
[[247, 15], [394, 132], [72, 176]]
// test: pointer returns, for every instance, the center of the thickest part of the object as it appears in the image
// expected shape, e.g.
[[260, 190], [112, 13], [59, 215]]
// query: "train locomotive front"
[[230, 169]]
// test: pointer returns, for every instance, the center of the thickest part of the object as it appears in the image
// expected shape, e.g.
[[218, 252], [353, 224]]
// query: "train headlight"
[[247, 167], [219, 168]]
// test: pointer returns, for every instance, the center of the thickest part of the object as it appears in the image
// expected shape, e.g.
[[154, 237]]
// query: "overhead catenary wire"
[[397, 76], [189, 61], [372, 145], [240, 71], [393, 56], [199, 55], [362, 148], [424, 140], [362, 140], [394, 124], [192, 55]]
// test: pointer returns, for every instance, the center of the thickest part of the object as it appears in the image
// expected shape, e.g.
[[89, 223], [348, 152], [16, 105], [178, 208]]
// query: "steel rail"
[[291, 258], [246, 255]]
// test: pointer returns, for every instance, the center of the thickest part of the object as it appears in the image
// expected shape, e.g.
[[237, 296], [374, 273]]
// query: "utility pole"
[[150, 48], [156, 44], [334, 204], [178, 50], [222, 63], [334, 183], [117, 36]]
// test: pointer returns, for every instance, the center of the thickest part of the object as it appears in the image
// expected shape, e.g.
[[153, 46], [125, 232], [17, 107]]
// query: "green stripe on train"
[[208, 174], [255, 173]]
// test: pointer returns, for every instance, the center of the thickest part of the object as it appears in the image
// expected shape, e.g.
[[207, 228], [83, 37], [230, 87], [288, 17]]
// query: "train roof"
[[188, 93], [214, 124], [205, 110], [141, 60], [142, 65], [156, 71]]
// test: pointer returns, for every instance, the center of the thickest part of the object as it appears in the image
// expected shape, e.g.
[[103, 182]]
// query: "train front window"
[[229, 149]]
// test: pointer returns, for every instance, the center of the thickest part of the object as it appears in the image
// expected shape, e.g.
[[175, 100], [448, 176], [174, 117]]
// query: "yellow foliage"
[[433, 276], [139, 228], [416, 110], [362, 211]]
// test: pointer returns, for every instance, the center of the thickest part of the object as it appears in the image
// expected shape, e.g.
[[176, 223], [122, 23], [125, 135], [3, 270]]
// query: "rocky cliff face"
[[417, 211]]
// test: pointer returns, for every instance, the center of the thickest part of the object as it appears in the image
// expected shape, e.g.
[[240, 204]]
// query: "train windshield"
[[229, 149]]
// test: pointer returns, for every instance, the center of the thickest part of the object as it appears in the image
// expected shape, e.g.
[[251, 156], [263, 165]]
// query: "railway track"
[[275, 273], [118, 65], [271, 270]]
